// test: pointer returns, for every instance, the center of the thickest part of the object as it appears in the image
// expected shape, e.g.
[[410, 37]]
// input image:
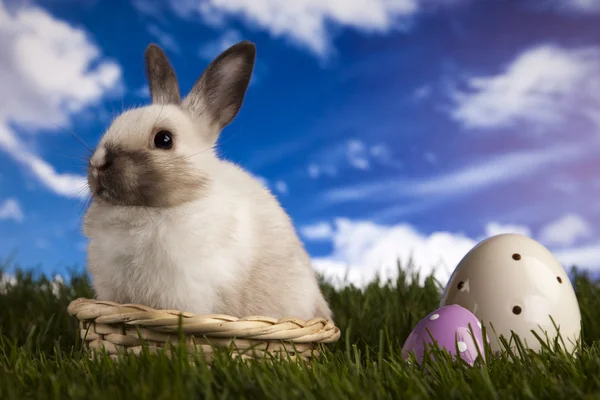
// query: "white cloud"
[[11, 209], [63, 184], [315, 171], [493, 171], [166, 40], [494, 228], [380, 151], [46, 71], [382, 154], [362, 249], [306, 23], [544, 85], [584, 257], [49, 71], [351, 153], [6, 281], [566, 230], [318, 231], [357, 154], [281, 187], [54, 284]]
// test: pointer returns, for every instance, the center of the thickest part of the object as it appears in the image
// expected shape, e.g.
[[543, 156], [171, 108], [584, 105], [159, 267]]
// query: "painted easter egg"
[[513, 283], [454, 329]]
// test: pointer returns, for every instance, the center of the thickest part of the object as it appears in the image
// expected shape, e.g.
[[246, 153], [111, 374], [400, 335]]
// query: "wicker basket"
[[129, 327]]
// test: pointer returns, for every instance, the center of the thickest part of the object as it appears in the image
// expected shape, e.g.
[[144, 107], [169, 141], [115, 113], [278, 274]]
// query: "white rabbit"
[[172, 226]]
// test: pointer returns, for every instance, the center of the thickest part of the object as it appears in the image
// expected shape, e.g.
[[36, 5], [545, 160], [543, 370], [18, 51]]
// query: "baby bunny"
[[172, 226]]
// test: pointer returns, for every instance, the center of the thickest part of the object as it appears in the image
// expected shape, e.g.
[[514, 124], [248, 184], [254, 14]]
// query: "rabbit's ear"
[[220, 90], [162, 80]]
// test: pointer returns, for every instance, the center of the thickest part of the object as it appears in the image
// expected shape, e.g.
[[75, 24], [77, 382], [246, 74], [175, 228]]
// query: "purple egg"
[[449, 327]]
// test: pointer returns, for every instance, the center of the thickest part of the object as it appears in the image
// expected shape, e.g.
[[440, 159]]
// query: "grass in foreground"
[[40, 355]]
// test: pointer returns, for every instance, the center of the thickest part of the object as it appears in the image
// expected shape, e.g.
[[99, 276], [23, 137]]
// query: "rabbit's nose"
[[101, 159]]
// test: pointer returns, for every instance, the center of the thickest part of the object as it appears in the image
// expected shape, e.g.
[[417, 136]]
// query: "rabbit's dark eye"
[[163, 140]]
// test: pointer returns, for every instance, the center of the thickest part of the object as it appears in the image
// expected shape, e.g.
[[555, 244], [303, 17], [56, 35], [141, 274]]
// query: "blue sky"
[[386, 128]]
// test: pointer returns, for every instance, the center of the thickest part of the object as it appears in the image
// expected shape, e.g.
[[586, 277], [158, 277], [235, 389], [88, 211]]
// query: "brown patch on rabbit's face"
[[119, 176]]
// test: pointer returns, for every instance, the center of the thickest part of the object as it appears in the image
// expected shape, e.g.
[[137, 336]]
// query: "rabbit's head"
[[162, 154]]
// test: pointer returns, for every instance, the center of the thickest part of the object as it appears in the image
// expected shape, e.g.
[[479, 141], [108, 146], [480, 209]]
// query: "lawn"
[[40, 355]]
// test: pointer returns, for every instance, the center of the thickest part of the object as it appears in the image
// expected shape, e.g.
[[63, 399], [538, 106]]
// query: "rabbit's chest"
[[167, 265]]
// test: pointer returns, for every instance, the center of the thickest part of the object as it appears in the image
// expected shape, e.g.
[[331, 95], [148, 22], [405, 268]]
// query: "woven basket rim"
[[316, 330]]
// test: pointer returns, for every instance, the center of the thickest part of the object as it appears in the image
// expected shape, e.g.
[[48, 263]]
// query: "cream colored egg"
[[516, 284]]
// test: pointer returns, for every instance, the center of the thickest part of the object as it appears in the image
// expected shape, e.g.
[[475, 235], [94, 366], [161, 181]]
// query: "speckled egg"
[[513, 283], [451, 327]]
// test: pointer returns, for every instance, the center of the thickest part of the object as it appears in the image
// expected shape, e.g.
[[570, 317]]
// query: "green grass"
[[40, 355]]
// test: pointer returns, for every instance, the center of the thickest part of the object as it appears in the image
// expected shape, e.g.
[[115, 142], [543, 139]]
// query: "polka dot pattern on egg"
[[454, 328]]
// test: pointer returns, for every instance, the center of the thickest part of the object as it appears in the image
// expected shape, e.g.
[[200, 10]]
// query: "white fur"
[[200, 256], [98, 158]]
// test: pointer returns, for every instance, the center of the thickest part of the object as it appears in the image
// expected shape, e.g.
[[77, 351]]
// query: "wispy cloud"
[[307, 23], [500, 169], [543, 86], [63, 184], [422, 92], [211, 49], [148, 7], [11, 209], [575, 6], [566, 230], [357, 155], [266, 157], [281, 187], [353, 154], [315, 170], [143, 91], [166, 40], [586, 256], [318, 231], [51, 71]]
